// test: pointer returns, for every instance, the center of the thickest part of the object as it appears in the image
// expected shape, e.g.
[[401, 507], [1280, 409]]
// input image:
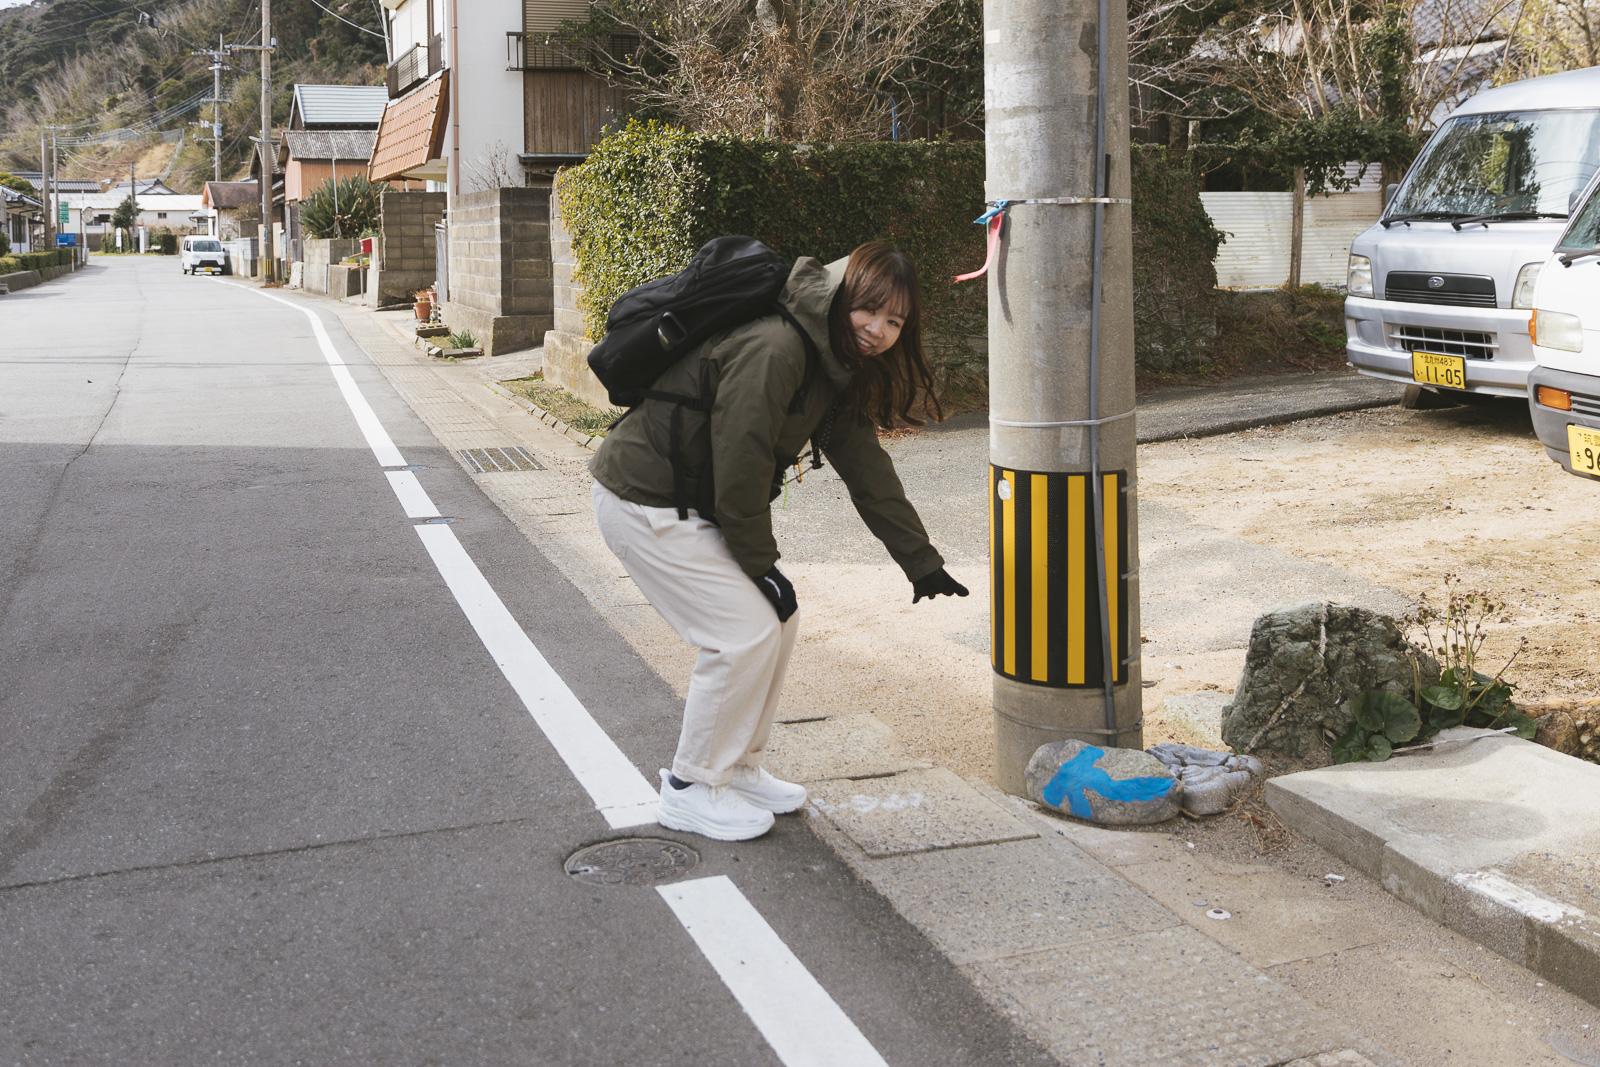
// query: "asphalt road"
[[265, 797]]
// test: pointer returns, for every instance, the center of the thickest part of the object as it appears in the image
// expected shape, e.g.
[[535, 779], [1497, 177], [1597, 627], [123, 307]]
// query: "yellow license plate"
[[1430, 368], [1583, 444]]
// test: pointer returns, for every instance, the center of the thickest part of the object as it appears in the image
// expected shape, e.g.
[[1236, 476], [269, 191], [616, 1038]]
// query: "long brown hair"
[[886, 387]]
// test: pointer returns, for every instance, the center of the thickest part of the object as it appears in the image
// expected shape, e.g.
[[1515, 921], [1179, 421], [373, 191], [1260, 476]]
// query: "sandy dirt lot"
[[1372, 508]]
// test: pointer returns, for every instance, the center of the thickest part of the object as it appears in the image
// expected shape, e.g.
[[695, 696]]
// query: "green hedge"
[[1174, 265], [649, 195], [59, 257]]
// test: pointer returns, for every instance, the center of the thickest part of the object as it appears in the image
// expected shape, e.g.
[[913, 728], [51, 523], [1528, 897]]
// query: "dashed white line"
[[800, 1021]]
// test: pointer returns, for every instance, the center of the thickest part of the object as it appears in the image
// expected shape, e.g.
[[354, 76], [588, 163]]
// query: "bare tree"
[[794, 70], [1550, 36], [1400, 62], [491, 170]]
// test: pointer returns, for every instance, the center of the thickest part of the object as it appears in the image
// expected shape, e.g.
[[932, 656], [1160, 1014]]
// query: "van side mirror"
[[1389, 191]]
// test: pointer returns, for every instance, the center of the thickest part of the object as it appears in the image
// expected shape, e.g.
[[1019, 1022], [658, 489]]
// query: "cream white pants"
[[684, 569]]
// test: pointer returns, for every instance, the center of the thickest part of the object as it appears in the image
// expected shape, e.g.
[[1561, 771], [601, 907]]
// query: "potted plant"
[[424, 304]]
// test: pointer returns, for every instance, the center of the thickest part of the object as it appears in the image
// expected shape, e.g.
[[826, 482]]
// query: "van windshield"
[[1584, 233], [1524, 163], [205, 246]]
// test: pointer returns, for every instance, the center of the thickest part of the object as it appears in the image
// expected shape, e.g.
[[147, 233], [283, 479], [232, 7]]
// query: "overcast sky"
[[12, 3]]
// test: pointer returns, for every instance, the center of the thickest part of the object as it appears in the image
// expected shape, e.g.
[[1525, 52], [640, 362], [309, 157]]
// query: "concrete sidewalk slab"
[[1170, 997], [838, 746], [918, 811], [1497, 838]]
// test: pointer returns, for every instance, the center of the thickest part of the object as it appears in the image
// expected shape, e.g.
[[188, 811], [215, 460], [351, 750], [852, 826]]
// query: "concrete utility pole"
[[216, 105], [133, 194], [1064, 536], [44, 180], [269, 267]]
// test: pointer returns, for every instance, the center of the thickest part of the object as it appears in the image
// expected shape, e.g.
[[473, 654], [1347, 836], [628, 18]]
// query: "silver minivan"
[[1441, 287]]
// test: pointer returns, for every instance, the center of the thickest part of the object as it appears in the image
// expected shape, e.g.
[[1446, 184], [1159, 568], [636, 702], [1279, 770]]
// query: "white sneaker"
[[760, 788], [716, 812]]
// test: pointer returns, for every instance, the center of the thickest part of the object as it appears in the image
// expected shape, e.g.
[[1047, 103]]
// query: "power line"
[[346, 21]]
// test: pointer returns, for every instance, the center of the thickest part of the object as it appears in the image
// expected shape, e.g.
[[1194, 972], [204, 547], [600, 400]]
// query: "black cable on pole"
[[1096, 485]]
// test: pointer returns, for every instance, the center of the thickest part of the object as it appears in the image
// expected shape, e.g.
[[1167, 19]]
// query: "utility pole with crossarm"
[[264, 142]]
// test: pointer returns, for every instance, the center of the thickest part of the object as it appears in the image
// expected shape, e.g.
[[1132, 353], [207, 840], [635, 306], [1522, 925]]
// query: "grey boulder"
[[1112, 786], [1304, 669]]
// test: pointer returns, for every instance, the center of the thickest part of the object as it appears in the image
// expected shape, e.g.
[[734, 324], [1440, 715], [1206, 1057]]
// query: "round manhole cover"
[[632, 861]]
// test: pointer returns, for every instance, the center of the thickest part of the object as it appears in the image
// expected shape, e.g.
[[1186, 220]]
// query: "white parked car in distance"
[[199, 252], [1564, 386], [1440, 288]]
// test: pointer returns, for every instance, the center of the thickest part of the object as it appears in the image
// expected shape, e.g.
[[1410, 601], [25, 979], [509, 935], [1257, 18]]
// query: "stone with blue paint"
[[1111, 786]]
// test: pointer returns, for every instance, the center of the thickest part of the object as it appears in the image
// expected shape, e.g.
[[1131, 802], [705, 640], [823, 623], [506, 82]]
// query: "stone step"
[[1495, 837]]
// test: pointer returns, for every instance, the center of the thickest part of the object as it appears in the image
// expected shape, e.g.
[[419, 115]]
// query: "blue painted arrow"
[[1079, 775]]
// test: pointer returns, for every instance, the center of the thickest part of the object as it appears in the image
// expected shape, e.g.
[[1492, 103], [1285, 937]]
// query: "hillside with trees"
[[123, 78]]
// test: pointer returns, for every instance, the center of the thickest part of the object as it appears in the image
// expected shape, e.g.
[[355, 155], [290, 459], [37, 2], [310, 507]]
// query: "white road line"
[[610, 778], [798, 1018], [366, 419], [414, 498]]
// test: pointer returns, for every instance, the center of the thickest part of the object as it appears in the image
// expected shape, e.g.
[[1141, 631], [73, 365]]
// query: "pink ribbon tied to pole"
[[996, 218]]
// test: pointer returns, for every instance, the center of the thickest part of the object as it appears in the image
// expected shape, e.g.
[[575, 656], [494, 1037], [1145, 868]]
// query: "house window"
[[161, 214]]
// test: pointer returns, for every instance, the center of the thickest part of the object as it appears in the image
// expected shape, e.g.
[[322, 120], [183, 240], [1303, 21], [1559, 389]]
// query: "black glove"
[[939, 583], [776, 588]]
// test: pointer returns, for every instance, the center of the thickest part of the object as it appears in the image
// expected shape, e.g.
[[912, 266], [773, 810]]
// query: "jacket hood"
[[807, 296]]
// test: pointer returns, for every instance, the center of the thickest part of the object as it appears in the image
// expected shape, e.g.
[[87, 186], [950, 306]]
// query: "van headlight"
[[1358, 279], [1556, 329], [1527, 278]]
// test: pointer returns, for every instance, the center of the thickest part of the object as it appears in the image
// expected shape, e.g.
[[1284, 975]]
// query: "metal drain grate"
[[490, 460]]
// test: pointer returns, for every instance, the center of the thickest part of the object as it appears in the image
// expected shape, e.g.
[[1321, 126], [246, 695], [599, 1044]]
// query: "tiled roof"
[[223, 195], [330, 144], [412, 131], [357, 106]]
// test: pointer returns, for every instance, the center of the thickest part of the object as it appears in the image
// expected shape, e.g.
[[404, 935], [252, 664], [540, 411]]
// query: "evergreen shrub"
[[1174, 264], [61, 257], [650, 195]]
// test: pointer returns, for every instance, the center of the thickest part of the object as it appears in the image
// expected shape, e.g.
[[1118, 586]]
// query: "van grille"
[[1469, 343], [1458, 290], [1586, 405]]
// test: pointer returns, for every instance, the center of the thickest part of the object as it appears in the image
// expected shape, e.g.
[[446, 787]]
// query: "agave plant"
[[346, 208]]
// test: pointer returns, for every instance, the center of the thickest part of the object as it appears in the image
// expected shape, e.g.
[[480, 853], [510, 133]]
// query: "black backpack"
[[730, 281]]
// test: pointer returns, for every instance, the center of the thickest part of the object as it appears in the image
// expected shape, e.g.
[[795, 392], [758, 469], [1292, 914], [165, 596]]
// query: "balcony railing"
[[416, 65], [539, 51]]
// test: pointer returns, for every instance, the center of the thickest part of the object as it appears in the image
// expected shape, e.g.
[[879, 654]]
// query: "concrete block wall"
[[405, 246], [499, 269], [318, 256], [566, 347]]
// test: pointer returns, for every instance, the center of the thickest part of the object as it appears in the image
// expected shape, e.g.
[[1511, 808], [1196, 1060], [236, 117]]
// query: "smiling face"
[[877, 329]]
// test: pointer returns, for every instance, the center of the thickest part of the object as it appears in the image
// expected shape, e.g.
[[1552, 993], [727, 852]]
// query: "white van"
[[199, 252], [1564, 386], [1441, 287]]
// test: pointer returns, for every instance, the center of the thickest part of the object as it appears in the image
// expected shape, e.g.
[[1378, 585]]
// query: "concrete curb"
[[574, 435], [1493, 839], [1226, 426]]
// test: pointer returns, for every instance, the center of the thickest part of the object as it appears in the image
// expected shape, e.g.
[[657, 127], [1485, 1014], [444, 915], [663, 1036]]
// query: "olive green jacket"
[[735, 453]]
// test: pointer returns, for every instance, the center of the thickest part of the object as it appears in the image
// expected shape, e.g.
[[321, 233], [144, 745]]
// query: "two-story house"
[[479, 98]]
